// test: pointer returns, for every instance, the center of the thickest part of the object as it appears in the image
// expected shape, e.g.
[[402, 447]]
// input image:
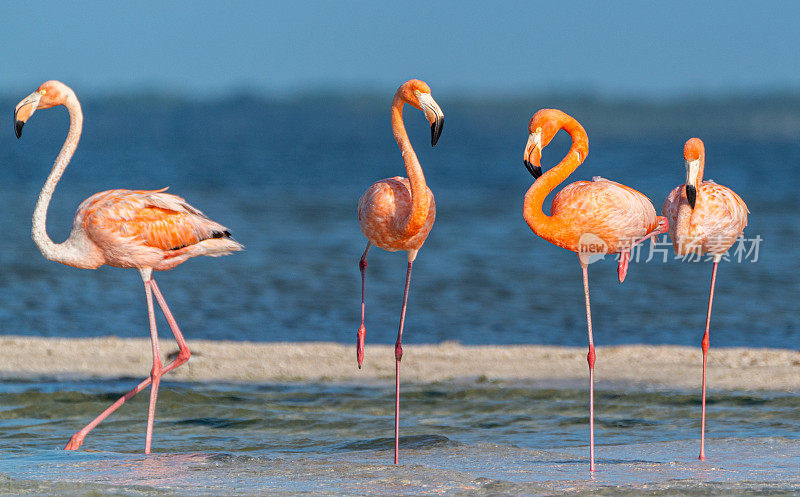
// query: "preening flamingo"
[[146, 230], [398, 213], [586, 217], [704, 218]]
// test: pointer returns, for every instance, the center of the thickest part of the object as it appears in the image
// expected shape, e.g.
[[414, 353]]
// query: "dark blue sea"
[[285, 177]]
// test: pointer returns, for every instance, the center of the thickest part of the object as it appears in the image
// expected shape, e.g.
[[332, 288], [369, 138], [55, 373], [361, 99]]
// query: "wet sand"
[[649, 366]]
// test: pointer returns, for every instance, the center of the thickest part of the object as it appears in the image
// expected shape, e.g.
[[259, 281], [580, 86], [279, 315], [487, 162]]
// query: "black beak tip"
[[535, 171], [18, 128], [436, 131], [691, 195]]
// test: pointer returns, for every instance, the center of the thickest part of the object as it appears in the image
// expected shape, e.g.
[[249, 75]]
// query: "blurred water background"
[[285, 176]]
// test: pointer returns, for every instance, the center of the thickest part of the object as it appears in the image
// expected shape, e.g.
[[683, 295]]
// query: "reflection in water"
[[500, 438], [156, 470]]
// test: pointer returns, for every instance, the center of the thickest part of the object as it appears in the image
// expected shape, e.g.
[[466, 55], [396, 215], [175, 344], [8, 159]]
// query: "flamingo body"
[[398, 214], [704, 218], [617, 217], [712, 227], [146, 230], [384, 207], [614, 212]]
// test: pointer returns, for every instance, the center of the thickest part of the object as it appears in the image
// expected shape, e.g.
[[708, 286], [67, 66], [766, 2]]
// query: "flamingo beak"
[[691, 195], [692, 169], [434, 115], [24, 110], [532, 158]]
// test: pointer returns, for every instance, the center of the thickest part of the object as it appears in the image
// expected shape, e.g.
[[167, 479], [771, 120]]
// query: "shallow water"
[[457, 439]]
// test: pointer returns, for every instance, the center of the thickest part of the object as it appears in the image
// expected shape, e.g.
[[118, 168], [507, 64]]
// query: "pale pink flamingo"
[[398, 213], [704, 218], [146, 230], [586, 217]]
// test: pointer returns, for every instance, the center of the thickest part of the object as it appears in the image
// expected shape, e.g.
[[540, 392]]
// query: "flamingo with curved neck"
[[704, 218], [398, 213], [146, 230], [589, 218]]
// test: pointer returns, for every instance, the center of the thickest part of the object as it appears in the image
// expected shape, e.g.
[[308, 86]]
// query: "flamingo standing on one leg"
[[146, 230], [704, 217], [607, 215], [398, 213]]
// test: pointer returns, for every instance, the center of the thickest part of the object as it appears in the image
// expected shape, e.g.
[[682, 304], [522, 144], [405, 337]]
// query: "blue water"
[[285, 177]]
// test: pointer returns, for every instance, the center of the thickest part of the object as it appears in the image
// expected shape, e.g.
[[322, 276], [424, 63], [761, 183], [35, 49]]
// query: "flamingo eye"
[[42, 92]]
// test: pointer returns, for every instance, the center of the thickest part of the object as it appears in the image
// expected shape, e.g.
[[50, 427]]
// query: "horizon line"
[[372, 92]]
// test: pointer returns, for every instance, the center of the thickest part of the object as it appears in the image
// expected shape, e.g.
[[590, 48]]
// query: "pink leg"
[[77, 439], [183, 350], [398, 355], [705, 344], [590, 357], [622, 267], [662, 227], [362, 331], [156, 372], [625, 255]]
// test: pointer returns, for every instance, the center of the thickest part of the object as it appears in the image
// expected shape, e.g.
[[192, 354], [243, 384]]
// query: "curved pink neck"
[[420, 202], [532, 211], [61, 252]]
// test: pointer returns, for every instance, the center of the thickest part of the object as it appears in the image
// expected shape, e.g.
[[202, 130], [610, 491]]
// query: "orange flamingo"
[[587, 217], [146, 230], [704, 218], [398, 213]]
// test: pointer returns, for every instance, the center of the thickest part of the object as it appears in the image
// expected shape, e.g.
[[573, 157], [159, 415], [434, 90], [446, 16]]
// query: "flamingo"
[[704, 218], [587, 217], [398, 213], [146, 230]]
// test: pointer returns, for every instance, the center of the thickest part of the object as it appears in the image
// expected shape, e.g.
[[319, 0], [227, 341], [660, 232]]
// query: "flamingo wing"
[[633, 208], [150, 218], [670, 208], [608, 209], [717, 220], [719, 217]]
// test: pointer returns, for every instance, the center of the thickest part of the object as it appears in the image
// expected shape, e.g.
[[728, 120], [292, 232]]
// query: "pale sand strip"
[[658, 366]]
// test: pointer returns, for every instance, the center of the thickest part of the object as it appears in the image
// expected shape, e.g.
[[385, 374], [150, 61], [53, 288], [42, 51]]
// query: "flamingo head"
[[694, 156], [49, 94], [542, 127], [417, 93]]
